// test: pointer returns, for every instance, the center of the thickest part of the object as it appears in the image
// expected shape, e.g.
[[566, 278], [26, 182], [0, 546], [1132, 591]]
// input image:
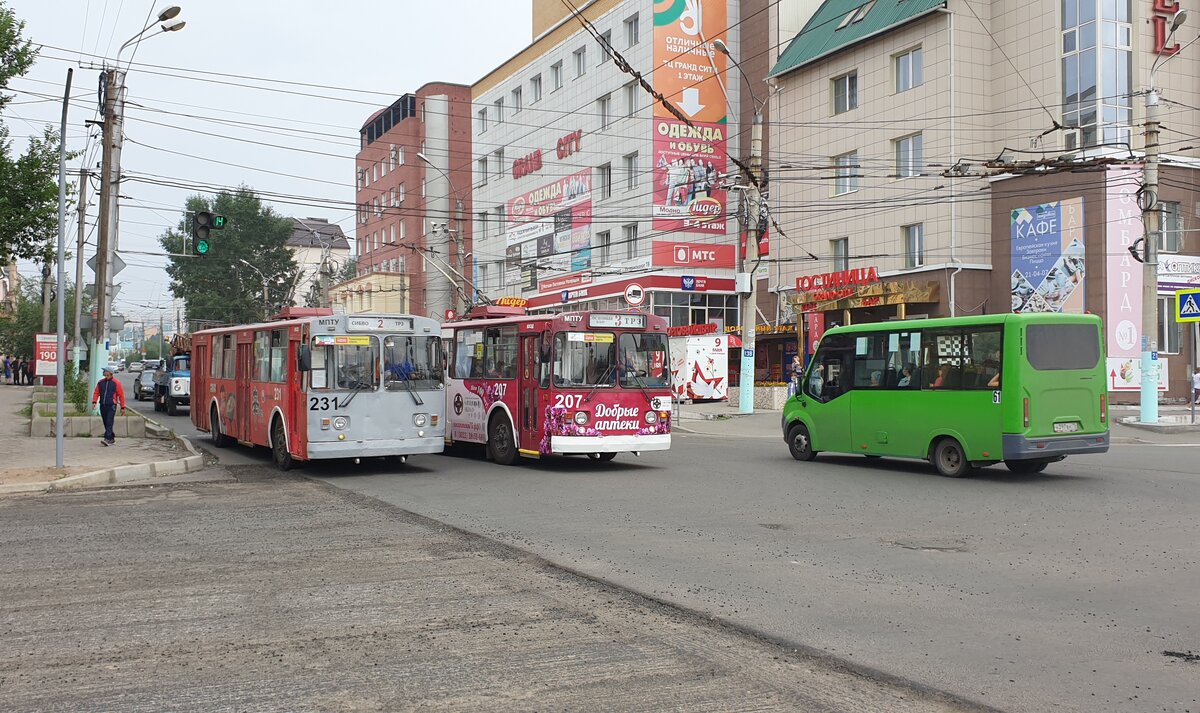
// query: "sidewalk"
[[27, 463], [718, 418]]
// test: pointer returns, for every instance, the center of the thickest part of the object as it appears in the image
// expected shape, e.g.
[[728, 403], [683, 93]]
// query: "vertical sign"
[[45, 354], [689, 159], [1123, 221], [1048, 267]]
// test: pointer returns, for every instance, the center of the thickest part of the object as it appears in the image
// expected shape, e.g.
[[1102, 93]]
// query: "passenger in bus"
[[906, 377], [876, 379], [940, 381]]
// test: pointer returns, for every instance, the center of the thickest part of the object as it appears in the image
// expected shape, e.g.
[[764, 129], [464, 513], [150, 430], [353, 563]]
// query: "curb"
[[120, 474], [1132, 422]]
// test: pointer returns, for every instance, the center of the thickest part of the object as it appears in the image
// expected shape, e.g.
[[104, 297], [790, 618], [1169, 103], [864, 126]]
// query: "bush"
[[75, 389]]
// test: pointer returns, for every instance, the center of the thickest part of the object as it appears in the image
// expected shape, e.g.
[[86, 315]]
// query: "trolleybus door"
[[530, 426], [243, 429]]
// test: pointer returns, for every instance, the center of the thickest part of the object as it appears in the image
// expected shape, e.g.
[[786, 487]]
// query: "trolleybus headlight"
[[340, 422], [651, 417], [420, 419], [581, 418]]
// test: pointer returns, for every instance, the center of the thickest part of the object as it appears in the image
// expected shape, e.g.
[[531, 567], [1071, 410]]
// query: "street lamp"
[[450, 235], [266, 299], [1152, 224]]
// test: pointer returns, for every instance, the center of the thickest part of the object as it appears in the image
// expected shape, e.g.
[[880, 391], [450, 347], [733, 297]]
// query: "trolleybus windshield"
[[644, 361], [413, 359], [345, 362], [585, 359]]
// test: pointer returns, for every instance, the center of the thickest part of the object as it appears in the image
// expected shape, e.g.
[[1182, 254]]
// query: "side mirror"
[[304, 358]]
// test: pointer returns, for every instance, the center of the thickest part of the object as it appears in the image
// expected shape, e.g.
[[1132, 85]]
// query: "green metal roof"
[[832, 27]]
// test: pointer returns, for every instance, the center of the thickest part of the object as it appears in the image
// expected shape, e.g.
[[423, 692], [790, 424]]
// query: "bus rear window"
[[1059, 347]]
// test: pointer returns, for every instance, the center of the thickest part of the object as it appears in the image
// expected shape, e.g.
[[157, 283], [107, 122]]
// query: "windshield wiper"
[[412, 391], [642, 385], [359, 387], [599, 382]]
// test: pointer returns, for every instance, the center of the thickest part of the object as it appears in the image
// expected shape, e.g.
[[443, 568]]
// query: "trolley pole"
[[750, 262], [1152, 220]]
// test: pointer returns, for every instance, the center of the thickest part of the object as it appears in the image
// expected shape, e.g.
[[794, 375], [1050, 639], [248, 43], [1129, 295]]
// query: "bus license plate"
[[1066, 427]]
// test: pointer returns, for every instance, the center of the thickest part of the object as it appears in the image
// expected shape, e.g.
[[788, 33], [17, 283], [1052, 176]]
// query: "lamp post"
[[1152, 223], [753, 222], [455, 235], [113, 80], [266, 298]]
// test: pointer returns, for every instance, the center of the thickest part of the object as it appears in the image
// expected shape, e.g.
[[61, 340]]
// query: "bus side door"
[[245, 365], [530, 367], [828, 388]]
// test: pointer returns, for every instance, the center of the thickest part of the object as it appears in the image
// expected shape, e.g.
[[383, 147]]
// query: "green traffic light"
[[202, 247]]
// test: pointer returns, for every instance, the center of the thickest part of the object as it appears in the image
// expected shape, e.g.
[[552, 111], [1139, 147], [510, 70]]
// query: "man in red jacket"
[[109, 395]]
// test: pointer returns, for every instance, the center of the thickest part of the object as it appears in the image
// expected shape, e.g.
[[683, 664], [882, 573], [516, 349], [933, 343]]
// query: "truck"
[[173, 379]]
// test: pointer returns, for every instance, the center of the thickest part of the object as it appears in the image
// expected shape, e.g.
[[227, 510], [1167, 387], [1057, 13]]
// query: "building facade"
[[413, 179], [371, 293], [320, 249], [949, 157]]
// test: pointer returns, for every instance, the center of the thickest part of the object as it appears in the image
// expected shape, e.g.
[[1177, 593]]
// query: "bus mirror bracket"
[[304, 358]]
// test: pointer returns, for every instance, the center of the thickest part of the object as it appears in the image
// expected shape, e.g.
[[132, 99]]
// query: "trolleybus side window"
[[643, 361], [215, 365], [585, 359], [500, 352], [228, 369], [415, 359], [830, 375], [468, 354], [262, 356], [278, 356]]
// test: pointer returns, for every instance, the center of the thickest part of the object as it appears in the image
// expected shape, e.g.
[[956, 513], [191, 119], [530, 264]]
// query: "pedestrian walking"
[[7, 370], [108, 395], [1196, 386]]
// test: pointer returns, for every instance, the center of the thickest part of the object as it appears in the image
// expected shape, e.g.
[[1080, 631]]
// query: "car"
[[143, 385], [135, 366], [115, 367], [150, 365]]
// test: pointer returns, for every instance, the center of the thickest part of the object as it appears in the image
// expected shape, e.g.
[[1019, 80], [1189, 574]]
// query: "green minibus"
[[962, 393]]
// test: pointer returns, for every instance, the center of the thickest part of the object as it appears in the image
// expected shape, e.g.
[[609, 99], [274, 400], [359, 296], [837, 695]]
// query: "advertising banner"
[[45, 353], [1048, 268], [688, 163], [549, 227], [1123, 313], [683, 64], [670, 254]]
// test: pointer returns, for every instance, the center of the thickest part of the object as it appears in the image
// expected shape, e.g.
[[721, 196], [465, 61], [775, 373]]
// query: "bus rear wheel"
[[501, 445], [950, 459], [800, 444], [220, 440], [279, 449], [1026, 467]]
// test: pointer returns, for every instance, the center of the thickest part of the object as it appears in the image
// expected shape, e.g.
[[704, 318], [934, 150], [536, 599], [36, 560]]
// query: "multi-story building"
[[320, 248], [414, 193], [588, 193], [953, 157], [371, 293]]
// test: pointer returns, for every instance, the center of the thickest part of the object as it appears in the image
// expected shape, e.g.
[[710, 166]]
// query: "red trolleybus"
[[594, 383], [314, 385]]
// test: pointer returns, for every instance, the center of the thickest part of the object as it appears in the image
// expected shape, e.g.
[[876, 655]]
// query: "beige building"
[[317, 245], [373, 293]]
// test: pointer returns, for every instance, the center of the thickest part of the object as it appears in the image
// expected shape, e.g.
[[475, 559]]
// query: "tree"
[[29, 199], [17, 330], [348, 271], [219, 287]]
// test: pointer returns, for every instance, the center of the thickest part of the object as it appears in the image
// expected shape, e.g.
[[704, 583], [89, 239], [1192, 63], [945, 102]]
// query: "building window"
[[632, 91], [499, 163], [845, 93], [603, 249], [845, 173], [841, 253], [581, 61], [481, 168], [604, 109], [482, 217], [481, 119], [1097, 72], [500, 219], [383, 167], [556, 77], [402, 229], [499, 106], [400, 194], [1171, 237], [604, 180], [630, 237], [631, 31], [910, 71], [535, 89], [516, 99], [631, 171], [914, 245], [910, 156], [375, 172], [1168, 328]]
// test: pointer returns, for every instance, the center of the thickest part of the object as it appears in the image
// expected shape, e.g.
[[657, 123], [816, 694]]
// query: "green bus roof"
[[972, 321]]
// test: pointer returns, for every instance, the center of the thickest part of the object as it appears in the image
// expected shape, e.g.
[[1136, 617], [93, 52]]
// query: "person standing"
[[108, 394]]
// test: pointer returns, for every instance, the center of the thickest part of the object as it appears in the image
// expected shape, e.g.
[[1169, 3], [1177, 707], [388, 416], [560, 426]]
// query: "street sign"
[[114, 267], [747, 352], [635, 294], [1187, 305], [450, 315]]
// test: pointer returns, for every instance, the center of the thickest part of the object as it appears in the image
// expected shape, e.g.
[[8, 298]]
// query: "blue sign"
[[747, 352], [687, 282], [1187, 305], [566, 295]]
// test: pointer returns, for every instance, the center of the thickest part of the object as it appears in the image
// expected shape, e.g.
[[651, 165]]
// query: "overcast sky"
[[375, 51]]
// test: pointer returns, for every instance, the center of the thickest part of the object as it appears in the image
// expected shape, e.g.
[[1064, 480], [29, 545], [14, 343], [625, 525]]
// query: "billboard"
[[688, 159], [549, 227], [1123, 314], [704, 255], [1048, 267]]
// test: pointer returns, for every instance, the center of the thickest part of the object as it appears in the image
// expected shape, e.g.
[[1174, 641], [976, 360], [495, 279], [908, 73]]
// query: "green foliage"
[[18, 329], [75, 388], [153, 347], [16, 53], [219, 287], [349, 271]]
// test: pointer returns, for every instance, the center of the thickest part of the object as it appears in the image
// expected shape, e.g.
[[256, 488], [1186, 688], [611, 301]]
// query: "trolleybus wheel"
[[1026, 467], [800, 444], [950, 459], [279, 449], [500, 445], [220, 440]]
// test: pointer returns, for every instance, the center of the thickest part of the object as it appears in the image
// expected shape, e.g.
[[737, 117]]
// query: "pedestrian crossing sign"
[[1187, 305]]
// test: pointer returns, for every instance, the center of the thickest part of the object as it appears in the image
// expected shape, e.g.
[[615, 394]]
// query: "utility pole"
[[110, 169], [76, 339], [750, 262], [1152, 221], [46, 296]]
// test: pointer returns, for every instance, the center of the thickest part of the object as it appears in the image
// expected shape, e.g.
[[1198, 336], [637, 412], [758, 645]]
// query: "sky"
[[364, 54]]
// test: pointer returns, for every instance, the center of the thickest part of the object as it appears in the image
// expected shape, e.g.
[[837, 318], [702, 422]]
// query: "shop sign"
[[672, 254], [692, 330], [552, 284], [527, 164], [869, 295], [1164, 14], [1178, 270], [691, 283], [512, 302], [569, 144], [1123, 221], [840, 278]]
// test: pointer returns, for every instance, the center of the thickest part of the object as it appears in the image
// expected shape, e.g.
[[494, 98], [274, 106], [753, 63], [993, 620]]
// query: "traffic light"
[[202, 223]]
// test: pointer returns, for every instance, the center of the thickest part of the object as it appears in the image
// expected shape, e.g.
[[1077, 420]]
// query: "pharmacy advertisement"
[[1048, 267]]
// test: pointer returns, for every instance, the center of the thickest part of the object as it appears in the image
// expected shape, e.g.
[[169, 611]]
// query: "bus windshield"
[[345, 362], [417, 360], [644, 361], [585, 359]]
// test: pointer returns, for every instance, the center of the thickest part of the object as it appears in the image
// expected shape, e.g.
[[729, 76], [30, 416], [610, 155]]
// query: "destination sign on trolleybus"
[[379, 324], [620, 320]]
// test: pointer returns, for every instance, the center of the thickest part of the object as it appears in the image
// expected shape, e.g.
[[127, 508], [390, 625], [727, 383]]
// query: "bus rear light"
[[580, 418], [651, 418], [1025, 410], [1103, 408]]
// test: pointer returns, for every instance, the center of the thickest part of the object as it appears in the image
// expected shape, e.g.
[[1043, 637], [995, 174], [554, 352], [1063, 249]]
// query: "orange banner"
[[684, 62]]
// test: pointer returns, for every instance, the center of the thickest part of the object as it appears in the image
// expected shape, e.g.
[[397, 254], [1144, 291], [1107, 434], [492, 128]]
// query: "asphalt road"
[[1061, 591]]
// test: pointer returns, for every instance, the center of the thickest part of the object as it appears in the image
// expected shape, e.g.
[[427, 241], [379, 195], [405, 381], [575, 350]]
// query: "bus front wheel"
[[950, 459], [800, 444], [279, 449], [501, 445], [1026, 467]]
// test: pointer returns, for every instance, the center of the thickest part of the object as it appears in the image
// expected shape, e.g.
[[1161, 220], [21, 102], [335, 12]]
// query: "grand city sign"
[[1164, 14], [527, 164]]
